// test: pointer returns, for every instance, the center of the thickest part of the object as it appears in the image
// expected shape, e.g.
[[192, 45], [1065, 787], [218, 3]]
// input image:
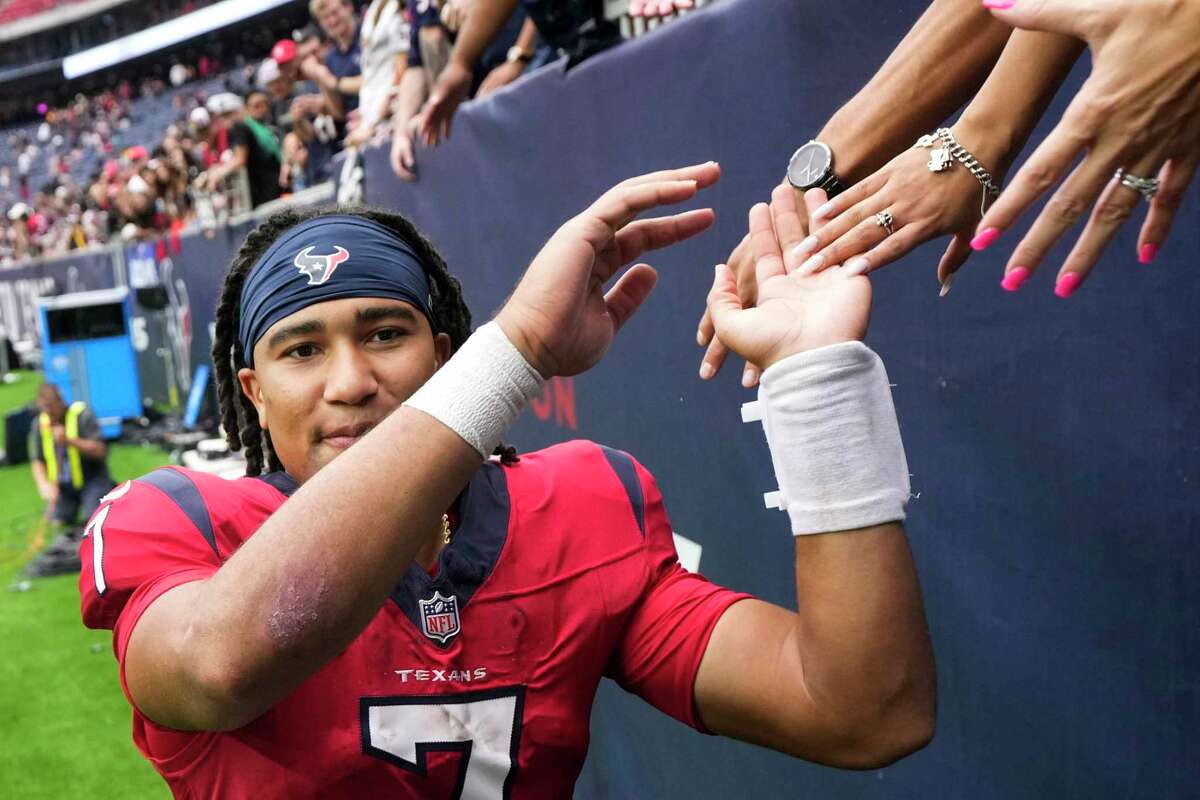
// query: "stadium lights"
[[166, 34]]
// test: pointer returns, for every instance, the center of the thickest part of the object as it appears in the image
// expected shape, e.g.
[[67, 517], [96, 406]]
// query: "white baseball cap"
[[267, 72], [223, 103], [199, 117]]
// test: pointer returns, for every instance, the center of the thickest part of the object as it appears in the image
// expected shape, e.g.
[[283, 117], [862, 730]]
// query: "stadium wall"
[[1054, 445]]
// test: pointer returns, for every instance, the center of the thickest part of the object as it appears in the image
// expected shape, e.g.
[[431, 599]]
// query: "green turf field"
[[66, 730]]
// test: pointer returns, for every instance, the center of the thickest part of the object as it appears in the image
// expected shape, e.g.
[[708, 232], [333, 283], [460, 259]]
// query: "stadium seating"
[[149, 118], [13, 10]]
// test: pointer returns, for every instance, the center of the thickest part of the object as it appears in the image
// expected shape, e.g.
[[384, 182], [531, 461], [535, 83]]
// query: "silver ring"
[[884, 220], [1146, 187]]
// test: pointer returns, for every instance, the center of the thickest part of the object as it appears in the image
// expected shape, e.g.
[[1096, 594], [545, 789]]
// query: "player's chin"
[[325, 451]]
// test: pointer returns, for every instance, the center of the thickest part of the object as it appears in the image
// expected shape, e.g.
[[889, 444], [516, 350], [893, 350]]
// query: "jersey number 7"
[[484, 726]]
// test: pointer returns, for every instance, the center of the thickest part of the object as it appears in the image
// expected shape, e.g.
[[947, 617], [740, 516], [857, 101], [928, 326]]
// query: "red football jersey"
[[476, 682]]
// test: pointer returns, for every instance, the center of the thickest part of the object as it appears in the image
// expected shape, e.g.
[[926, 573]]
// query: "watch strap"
[[832, 185]]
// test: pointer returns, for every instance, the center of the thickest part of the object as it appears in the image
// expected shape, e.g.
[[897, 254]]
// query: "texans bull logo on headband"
[[384, 265], [319, 268]]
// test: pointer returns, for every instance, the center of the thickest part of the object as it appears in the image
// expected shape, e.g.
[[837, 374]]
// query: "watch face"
[[810, 165]]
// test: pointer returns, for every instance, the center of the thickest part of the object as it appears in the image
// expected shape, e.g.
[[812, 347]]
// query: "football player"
[[387, 611]]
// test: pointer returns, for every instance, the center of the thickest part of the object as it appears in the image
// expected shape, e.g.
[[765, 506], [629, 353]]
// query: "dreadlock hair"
[[238, 415]]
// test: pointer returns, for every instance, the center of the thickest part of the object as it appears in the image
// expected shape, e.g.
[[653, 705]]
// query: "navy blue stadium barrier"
[[1054, 445]]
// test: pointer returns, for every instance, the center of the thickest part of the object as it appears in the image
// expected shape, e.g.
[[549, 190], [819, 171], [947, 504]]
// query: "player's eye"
[[301, 351], [386, 335]]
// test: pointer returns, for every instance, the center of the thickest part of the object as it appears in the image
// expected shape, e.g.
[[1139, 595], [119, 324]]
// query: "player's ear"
[[441, 349], [253, 391]]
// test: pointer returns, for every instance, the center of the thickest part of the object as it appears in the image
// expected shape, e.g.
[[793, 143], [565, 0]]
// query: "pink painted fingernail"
[[812, 265], [805, 247], [1067, 283], [1147, 253], [706, 371], [1014, 278], [984, 238], [999, 5]]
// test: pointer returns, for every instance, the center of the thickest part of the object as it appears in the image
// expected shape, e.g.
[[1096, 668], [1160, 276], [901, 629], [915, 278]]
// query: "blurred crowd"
[[101, 23], [81, 176], [390, 71]]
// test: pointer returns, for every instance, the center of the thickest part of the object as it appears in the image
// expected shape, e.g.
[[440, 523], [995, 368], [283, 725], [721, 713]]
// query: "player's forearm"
[[310, 580], [940, 63], [863, 642], [999, 120], [486, 19]]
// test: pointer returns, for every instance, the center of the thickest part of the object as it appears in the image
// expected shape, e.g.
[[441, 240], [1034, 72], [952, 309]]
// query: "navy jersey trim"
[[285, 484], [622, 464], [464, 564], [183, 491]]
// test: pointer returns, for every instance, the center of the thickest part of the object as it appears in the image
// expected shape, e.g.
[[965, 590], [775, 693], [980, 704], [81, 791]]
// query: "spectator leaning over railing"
[[429, 59], [263, 151], [384, 43], [304, 156], [577, 30], [340, 76], [338, 79], [251, 145]]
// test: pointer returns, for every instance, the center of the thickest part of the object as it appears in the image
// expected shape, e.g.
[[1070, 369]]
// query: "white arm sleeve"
[[834, 440]]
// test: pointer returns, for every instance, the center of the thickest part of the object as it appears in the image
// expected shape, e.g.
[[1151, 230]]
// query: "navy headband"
[[327, 258]]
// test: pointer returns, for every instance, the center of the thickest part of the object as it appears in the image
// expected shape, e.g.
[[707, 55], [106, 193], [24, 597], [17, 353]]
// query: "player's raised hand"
[[560, 317], [794, 312], [790, 229]]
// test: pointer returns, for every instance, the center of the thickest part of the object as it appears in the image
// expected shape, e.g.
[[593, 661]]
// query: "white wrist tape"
[[835, 444], [481, 391]]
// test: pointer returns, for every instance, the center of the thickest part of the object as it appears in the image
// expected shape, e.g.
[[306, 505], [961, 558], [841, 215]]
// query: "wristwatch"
[[515, 53], [811, 167]]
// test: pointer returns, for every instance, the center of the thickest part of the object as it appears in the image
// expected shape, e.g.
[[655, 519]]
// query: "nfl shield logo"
[[439, 617]]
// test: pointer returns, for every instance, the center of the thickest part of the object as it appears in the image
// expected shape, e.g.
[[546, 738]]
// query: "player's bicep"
[[165, 679], [750, 684], [146, 553]]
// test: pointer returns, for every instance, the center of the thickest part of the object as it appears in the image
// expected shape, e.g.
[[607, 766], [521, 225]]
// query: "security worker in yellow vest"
[[68, 453]]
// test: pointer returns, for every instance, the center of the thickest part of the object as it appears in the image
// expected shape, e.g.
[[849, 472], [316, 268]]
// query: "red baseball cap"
[[283, 51]]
